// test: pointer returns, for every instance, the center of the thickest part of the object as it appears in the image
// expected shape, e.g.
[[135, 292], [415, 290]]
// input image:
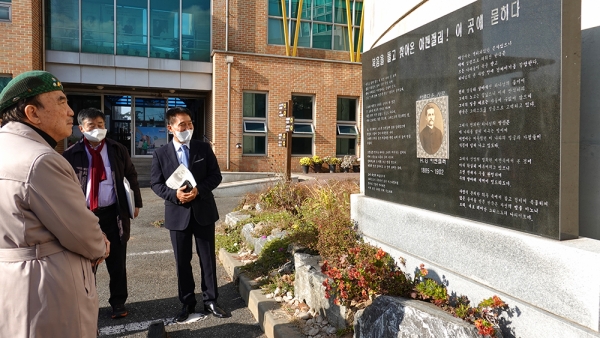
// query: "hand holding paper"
[[179, 176]]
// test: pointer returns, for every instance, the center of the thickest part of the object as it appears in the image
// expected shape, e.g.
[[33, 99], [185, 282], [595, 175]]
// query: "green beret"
[[26, 85]]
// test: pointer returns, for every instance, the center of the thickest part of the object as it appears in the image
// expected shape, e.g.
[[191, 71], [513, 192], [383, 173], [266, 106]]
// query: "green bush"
[[273, 255], [284, 195], [229, 238]]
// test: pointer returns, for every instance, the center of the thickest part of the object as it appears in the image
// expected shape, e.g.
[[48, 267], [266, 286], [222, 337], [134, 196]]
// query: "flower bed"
[[317, 218]]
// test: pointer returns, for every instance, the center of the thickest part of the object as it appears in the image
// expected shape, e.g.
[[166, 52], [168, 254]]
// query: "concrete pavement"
[[152, 283]]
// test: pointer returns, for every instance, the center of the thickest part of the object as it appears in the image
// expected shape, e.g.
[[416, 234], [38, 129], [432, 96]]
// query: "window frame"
[[9, 6], [347, 123], [253, 119], [253, 131], [5, 76], [305, 122], [311, 21], [311, 132], [340, 133]]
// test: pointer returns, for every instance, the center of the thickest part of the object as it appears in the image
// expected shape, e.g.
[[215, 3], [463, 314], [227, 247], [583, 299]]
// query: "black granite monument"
[[476, 115]]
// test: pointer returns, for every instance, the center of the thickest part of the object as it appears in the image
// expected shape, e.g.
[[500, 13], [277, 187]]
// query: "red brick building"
[[232, 70]]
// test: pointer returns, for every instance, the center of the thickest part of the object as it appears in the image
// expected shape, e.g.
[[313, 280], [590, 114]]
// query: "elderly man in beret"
[[49, 240]]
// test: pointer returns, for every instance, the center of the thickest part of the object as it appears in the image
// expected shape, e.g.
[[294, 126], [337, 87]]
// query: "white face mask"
[[184, 136], [96, 135]]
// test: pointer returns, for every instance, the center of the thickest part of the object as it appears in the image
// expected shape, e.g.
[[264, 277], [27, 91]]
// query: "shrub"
[[273, 255], [325, 213], [364, 272], [284, 195], [229, 238]]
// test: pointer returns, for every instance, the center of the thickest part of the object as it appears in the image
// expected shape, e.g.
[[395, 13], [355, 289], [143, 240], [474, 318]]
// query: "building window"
[[97, 27], [323, 23], [347, 131], [196, 30], [304, 131], [62, 25], [146, 28], [4, 80], [132, 27], [164, 29], [5, 11], [254, 123]]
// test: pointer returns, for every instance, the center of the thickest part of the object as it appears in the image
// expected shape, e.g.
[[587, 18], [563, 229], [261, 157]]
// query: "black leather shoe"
[[119, 311], [185, 313], [216, 310]]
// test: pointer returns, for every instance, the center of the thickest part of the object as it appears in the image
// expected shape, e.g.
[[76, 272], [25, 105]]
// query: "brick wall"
[[280, 78], [265, 68], [21, 43]]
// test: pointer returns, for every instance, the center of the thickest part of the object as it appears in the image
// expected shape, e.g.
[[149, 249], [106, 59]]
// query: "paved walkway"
[[152, 284]]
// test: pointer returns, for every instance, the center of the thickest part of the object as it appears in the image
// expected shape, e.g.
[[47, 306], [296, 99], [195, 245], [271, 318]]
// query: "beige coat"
[[40, 202]]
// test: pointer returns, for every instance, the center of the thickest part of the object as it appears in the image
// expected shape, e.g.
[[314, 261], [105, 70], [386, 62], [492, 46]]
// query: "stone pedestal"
[[552, 286]]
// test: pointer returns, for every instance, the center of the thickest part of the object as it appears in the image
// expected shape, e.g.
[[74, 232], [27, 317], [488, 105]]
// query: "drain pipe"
[[43, 35], [229, 60], [226, 25]]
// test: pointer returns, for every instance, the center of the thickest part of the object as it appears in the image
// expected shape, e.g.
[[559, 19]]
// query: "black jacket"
[[205, 169], [120, 165]]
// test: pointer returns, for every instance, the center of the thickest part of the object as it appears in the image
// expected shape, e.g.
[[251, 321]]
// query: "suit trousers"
[[204, 236], [115, 262]]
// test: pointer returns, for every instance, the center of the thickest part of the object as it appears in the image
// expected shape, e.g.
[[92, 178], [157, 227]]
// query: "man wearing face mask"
[[101, 164], [189, 213]]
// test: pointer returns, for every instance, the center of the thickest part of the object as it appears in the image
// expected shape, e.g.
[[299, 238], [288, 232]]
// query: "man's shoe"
[[119, 311], [185, 313], [216, 310]]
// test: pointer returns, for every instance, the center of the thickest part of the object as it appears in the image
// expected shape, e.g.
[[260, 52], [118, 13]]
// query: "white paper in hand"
[[179, 176], [130, 199]]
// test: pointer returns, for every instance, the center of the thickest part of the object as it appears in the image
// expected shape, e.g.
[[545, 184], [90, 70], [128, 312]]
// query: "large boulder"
[[392, 317]]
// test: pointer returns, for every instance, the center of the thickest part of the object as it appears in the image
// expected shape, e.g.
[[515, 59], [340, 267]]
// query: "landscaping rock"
[[233, 218], [391, 317], [308, 287]]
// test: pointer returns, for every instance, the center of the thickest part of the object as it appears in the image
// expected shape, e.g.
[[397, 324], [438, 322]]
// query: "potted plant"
[[317, 163], [347, 162], [305, 162], [356, 165], [332, 162]]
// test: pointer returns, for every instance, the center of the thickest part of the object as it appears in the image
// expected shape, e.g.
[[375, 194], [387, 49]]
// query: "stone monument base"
[[552, 287]]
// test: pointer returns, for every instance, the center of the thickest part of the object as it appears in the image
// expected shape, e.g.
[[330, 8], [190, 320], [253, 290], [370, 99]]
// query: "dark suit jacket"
[[120, 165], [205, 169], [431, 139]]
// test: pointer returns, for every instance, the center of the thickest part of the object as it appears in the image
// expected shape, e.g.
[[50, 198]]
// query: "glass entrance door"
[[118, 107], [150, 129], [139, 122]]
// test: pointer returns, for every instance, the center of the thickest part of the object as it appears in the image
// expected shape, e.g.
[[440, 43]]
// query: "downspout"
[[229, 60], [227, 29], [43, 35]]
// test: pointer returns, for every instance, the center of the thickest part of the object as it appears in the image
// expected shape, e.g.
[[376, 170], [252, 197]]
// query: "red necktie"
[[97, 175]]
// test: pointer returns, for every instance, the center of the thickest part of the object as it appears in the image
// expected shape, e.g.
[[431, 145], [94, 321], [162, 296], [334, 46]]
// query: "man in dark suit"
[[189, 212]]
